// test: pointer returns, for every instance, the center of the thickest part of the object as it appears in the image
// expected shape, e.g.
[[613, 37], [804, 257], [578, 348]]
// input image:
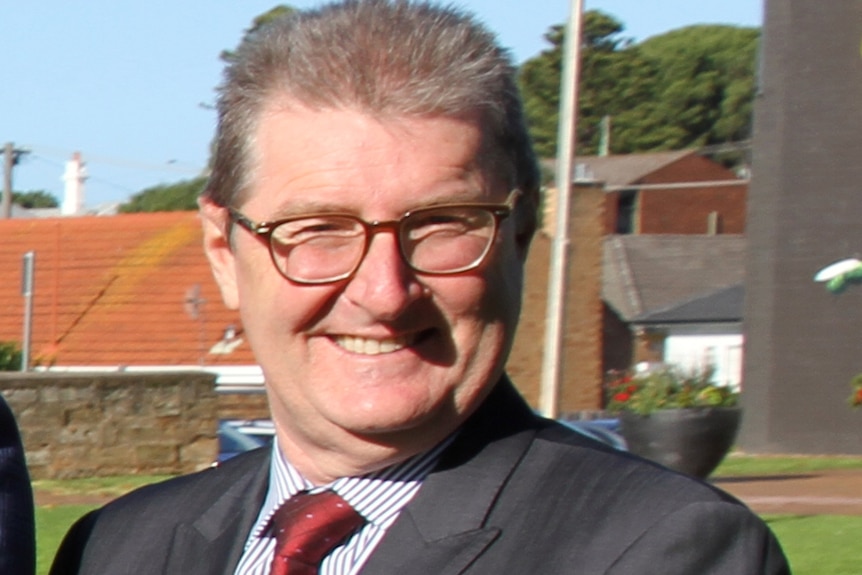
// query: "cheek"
[[270, 306], [483, 311], [504, 279]]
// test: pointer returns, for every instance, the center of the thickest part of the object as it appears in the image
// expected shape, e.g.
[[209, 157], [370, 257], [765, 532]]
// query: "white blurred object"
[[838, 268]]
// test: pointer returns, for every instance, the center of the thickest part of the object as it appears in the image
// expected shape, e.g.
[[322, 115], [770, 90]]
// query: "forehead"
[[338, 156]]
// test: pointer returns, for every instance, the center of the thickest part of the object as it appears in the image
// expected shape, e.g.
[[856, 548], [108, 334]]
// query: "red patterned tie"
[[307, 527]]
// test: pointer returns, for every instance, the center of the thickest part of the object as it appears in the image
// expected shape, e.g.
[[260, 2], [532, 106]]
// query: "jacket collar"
[[213, 543], [444, 528]]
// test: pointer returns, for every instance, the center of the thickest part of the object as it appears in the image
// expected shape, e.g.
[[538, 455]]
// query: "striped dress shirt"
[[379, 497]]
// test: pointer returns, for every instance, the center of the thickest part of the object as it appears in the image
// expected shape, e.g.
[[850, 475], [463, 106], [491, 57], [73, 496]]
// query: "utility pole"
[[11, 156], [605, 139], [551, 369], [27, 275]]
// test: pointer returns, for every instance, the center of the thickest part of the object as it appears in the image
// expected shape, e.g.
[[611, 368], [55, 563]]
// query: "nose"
[[383, 285]]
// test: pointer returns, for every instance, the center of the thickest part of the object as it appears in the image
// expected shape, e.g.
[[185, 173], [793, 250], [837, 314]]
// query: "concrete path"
[[834, 492]]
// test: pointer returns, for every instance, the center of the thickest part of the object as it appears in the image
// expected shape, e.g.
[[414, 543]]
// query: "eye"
[[446, 222], [316, 228]]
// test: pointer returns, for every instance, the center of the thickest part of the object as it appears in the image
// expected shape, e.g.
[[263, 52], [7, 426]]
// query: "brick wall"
[[580, 387], [684, 210], [687, 210], [86, 425]]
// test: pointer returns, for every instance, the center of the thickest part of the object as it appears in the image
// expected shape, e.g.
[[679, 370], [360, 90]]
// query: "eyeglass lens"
[[434, 240]]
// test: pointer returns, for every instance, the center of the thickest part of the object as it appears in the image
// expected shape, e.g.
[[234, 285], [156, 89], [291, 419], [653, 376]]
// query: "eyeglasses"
[[326, 248]]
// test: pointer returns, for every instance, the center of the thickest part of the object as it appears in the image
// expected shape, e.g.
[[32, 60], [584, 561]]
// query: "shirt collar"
[[378, 496]]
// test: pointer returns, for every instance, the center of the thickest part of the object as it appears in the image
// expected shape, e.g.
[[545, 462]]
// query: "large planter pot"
[[693, 441]]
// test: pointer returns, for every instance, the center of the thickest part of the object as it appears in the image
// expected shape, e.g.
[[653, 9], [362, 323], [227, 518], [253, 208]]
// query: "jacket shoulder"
[[614, 512], [146, 522]]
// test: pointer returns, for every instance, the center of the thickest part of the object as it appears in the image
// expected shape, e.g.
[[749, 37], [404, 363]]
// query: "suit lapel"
[[214, 542], [443, 530]]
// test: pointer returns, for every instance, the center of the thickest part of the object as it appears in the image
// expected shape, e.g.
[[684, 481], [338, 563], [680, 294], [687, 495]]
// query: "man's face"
[[388, 357]]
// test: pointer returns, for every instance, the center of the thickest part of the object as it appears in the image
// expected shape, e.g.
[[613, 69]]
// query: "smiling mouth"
[[372, 346]]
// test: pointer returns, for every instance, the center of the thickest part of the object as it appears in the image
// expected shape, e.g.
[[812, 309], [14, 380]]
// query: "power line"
[[168, 166]]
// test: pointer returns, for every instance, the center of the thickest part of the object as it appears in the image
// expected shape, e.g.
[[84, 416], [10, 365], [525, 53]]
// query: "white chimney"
[[74, 177]]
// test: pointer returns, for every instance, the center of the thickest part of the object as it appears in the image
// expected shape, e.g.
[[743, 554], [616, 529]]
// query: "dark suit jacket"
[[17, 531], [513, 494]]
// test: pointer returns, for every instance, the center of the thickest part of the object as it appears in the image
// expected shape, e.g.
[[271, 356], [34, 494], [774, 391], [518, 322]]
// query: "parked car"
[[232, 441], [262, 429], [604, 430]]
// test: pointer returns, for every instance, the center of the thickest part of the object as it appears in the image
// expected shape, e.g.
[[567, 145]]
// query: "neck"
[[322, 464]]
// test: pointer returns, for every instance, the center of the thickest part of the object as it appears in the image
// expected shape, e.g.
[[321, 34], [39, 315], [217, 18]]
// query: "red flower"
[[622, 396]]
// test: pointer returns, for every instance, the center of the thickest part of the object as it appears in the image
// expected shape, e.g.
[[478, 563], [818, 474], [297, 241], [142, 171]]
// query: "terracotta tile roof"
[[111, 291]]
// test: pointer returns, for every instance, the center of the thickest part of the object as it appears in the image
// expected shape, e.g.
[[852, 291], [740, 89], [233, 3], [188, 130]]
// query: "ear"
[[525, 229], [217, 248]]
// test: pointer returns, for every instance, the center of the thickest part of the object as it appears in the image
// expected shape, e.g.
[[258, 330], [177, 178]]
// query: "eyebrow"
[[311, 207]]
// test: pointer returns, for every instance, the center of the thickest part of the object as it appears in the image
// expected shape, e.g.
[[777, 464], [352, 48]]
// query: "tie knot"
[[307, 528]]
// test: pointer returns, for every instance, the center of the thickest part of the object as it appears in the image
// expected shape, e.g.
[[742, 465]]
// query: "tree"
[[256, 24], [179, 196], [35, 199], [602, 66], [228, 55], [10, 356], [705, 85], [688, 87]]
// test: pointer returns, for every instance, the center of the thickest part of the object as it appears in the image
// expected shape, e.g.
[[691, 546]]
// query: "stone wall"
[[249, 405], [97, 424]]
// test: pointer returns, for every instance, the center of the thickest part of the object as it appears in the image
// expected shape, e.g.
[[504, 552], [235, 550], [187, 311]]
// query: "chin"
[[387, 417]]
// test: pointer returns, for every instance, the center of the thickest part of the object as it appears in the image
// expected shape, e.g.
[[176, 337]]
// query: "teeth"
[[366, 346]]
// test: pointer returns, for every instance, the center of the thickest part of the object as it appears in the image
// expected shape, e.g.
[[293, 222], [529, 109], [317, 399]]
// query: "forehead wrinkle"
[[304, 189]]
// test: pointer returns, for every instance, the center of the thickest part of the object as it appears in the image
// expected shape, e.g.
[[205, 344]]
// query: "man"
[[372, 199]]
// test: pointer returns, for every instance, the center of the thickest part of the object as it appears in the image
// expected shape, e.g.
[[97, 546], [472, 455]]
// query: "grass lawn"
[[52, 521], [737, 464], [51, 525], [104, 486], [819, 544]]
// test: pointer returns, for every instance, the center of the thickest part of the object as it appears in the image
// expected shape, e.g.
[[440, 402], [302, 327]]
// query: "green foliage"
[[855, 398], [10, 356], [180, 196], [602, 65], [705, 83], [689, 87], [260, 21], [669, 387], [35, 199]]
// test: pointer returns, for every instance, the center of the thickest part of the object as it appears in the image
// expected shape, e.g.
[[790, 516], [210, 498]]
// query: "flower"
[[855, 398], [669, 387]]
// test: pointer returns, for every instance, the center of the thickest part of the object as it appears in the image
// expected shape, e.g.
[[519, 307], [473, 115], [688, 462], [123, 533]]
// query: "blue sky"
[[123, 82]]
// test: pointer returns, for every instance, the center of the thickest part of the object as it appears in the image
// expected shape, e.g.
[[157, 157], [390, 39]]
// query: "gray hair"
[[384, 57]]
